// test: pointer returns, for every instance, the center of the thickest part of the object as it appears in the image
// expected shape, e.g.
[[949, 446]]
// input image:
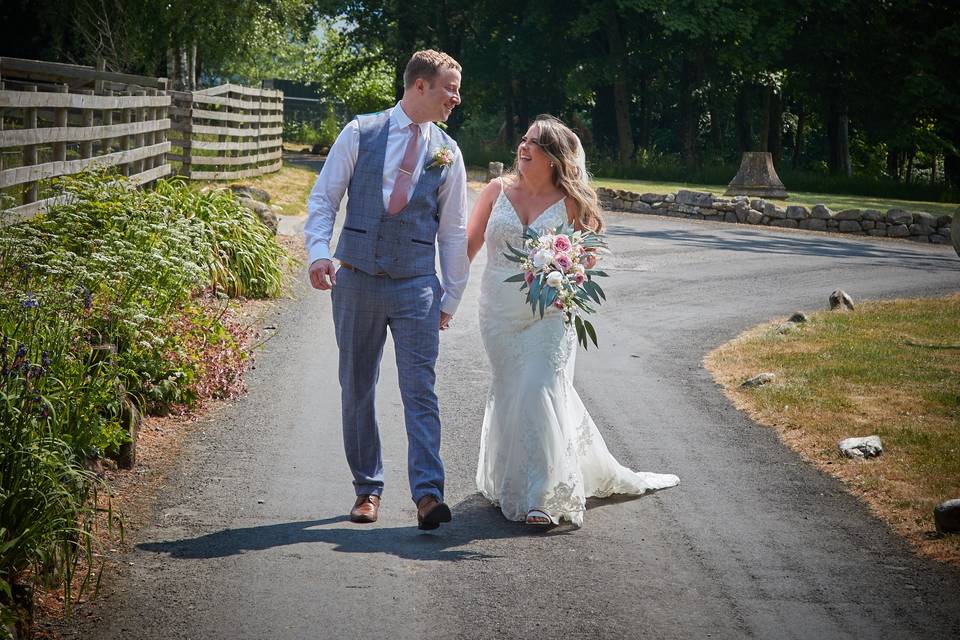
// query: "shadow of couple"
[[475, 519]]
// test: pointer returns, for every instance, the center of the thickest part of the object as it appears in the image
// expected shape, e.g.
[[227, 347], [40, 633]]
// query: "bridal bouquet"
[[558, 270]]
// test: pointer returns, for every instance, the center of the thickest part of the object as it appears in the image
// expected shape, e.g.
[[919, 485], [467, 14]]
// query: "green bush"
[[323, 132], [99, 307]]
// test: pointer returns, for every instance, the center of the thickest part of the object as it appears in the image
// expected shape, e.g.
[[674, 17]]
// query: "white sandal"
[[540, 516]]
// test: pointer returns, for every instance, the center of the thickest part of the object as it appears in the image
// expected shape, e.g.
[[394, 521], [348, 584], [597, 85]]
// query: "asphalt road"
[[250, 538]]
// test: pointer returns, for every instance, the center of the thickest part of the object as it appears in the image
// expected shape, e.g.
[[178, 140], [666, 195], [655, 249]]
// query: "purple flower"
[[30, 302], [45, 359]]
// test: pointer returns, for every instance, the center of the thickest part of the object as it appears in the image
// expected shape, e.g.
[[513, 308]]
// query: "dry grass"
[[889, 368], [288, 188]]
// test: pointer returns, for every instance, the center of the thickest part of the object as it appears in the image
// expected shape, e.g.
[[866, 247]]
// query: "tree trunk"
[[621, 95], [744, 128], [933, 168], [910, 156], [798, 142], [510, 132], [716, 131], [193, 67], [643, 133], [838, 135], [765, 125], [893, 163], [688, 114], [523, 115], [951, 169], [775, 127]]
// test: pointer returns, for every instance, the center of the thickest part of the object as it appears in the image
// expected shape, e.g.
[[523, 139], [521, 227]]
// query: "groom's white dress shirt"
[[334, 178]]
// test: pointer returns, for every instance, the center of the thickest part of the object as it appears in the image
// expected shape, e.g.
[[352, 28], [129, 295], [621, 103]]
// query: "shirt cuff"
[[319, 253], [449, 304]]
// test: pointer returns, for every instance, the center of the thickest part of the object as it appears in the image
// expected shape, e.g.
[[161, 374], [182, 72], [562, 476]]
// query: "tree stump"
[[494, 170], [757, 177]]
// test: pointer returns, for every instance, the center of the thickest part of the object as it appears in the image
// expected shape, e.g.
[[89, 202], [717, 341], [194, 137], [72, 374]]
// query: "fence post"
[[187, 136], [30, 191], [125, 140], [162, 114], [106, 119], [140, 115], [86, 147], [60, 120]]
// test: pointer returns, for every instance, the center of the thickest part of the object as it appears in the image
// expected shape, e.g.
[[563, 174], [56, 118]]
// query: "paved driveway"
[[250, 539]]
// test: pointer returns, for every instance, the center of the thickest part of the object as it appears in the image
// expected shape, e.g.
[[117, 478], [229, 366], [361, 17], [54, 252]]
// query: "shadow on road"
[[475, 519], [760, 242]]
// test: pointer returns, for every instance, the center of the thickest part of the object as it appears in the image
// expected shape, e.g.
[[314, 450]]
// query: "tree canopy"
[[843, 87]]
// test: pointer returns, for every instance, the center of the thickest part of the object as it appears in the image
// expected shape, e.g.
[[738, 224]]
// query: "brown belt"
[[350, 267]]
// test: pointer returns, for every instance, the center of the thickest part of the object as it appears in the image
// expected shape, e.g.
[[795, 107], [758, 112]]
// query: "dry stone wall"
[[917, 226]]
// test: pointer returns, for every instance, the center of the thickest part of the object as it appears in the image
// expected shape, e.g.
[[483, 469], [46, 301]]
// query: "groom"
[[406, 187]]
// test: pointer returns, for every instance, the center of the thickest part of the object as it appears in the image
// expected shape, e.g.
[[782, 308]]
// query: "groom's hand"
[[323, 275], [445, 319]]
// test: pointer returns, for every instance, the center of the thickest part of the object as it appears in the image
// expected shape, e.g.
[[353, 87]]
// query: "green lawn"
[[834, 201], [890, 368]]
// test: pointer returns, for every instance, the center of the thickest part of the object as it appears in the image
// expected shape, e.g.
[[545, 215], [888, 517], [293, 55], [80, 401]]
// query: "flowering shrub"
[[100, 301]]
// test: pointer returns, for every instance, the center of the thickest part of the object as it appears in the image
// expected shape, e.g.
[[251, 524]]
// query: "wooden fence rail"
[[227, 132], [59, 119]]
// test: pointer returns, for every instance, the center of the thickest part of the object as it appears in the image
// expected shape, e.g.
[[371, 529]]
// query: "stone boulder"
[[757, 380], [860, 448], [946, 516], [263, 212], [840, 298], [849, 214], [797, 212], [249, 191], [821, 212], [899, 216], [494, 170]]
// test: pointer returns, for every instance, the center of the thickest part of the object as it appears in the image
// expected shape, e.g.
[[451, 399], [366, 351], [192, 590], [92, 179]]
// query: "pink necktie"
[[401, 186]]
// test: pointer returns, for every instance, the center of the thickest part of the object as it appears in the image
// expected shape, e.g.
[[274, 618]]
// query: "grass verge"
[[888, 368], [836, 202], [288, 188]]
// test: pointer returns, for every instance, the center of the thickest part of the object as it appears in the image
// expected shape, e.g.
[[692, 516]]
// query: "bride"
[[541, 454]]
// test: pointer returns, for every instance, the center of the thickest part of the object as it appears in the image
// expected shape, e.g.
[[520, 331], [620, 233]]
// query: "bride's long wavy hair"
[[565, 151]]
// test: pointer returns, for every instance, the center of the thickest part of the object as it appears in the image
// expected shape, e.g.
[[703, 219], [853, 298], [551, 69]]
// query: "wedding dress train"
[[539, 448]]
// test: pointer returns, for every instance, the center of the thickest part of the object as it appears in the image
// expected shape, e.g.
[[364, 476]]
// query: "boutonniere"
[[442, 157]]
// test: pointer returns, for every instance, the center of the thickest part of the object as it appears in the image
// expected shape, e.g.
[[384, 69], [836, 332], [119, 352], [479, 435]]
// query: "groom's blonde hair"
[[426, 64]]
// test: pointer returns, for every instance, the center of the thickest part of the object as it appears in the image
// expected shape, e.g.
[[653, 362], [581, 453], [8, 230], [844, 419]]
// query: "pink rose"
[[563, 261], [528, 277], [589, 261], [558, 304], [579, 278], [561, 244]]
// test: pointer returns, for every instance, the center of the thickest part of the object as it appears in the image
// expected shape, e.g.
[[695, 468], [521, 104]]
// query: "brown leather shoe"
[[431, 512], [366, 508]]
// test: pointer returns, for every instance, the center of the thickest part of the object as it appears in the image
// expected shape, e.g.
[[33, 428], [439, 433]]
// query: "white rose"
[[542, 258], [555, 279]]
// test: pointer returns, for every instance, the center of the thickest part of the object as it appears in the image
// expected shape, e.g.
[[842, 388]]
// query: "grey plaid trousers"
[[363, 307]]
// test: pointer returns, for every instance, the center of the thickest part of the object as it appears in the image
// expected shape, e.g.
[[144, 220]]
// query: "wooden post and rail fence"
[[59, 119]]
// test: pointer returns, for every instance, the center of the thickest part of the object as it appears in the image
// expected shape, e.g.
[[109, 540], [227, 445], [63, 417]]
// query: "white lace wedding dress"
[[539, 448]]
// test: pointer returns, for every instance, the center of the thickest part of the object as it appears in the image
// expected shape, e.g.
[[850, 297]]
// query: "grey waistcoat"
[[401, 245]]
